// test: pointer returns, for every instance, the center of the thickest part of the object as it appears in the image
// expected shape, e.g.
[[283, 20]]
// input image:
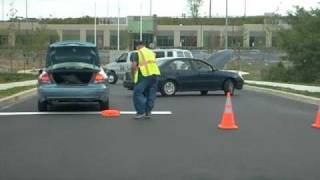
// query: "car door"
[[122, 63], [205, 78], [181, 70]]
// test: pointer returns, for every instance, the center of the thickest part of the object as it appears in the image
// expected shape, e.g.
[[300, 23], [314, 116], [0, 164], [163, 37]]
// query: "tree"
[[302, 43], [194, 7]]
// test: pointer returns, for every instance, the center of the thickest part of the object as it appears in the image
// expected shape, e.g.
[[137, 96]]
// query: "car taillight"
[[44, 78], [100, 78]]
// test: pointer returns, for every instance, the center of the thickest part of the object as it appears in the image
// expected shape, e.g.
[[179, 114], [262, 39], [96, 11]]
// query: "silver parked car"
[[72, 74]]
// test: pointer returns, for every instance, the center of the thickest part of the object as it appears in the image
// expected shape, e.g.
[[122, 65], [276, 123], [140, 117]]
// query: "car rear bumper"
[[60, 93]]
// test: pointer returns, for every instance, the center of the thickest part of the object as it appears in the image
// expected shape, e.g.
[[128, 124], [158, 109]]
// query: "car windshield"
[[72, 54]]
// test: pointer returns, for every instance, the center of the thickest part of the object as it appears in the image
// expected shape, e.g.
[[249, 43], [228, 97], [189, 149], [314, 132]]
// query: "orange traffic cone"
[[228, 119], [110, 113], [316, 123]]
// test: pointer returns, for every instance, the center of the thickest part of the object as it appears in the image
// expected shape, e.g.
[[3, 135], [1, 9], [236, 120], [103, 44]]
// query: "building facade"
[[161, 36]]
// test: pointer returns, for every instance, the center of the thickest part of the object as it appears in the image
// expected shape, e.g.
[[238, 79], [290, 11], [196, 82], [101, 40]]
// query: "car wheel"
[[42, 106], [168, 88], [104, 105], [228, 87], [112, 78], [203, 93]]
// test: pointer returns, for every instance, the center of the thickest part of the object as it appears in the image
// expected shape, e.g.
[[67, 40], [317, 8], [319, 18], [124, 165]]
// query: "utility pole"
[[95, 24], [210, 9], [226, 27]]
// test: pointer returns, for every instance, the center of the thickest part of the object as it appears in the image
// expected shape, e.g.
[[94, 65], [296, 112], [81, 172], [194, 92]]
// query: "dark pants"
[[144, 94]]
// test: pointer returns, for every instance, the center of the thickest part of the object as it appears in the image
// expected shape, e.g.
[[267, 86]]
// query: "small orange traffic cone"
[[110, 113], [228, 119], [316, 123]]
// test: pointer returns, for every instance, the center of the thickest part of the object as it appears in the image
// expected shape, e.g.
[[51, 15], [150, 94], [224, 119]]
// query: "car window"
[[122, 58], [179, 65], [180, 54], [201, 66], [169, 54], [59, 55], [159, 54], [187, 54]]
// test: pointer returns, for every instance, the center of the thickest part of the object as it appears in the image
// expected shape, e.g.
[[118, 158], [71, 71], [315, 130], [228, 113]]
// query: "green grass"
[[12, 91], [15, 77], [306, 93], [254, 67]]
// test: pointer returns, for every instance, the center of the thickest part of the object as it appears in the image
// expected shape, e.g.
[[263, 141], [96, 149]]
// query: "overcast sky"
[[78, 8]]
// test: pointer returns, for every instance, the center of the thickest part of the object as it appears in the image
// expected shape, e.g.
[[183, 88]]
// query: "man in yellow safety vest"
[[145, 73]]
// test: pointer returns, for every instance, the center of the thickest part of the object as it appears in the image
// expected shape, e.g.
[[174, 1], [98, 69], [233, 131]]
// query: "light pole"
[[150, 8], [95, 24], [140, 21], [118, 28], [245, 8], [226, 27], [26, 10], [210, 9], [2, 10]]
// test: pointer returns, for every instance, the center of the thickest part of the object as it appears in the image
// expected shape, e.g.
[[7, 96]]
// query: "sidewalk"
[[6, 86], [285, 85]]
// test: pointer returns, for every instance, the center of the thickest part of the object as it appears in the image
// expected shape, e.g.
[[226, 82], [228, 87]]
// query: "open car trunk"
[[73, 77], [73, 73]]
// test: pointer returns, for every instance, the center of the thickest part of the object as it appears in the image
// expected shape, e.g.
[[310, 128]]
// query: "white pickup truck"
[[117, 69]]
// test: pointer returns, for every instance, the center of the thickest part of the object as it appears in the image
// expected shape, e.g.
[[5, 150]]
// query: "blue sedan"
[[187, 74], [72, 74]]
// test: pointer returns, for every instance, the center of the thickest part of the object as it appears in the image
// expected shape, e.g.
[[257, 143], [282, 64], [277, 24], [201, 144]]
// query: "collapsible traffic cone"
[[316, 123], [110, 113], [228, 119]]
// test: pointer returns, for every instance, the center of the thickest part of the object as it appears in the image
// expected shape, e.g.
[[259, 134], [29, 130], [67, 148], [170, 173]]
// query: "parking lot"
[[274, 140]]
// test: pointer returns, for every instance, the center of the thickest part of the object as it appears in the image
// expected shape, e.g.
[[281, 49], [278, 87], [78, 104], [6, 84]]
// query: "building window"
[[165, 41], [188, 39]]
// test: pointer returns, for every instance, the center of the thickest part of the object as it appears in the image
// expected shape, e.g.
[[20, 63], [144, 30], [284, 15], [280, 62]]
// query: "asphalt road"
[[274, 141]]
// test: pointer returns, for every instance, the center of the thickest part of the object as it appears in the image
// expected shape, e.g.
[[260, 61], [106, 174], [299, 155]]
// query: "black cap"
[[139, 43]]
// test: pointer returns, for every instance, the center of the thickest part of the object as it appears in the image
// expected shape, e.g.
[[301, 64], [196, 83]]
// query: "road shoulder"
[[284, 94], [13, 99]]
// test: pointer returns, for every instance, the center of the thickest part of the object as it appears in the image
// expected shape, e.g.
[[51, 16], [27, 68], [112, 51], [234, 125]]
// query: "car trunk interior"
[[73, 77]]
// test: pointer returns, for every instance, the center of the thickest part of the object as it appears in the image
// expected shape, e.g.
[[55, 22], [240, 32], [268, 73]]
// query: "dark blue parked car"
[[72, 74], [186, 74]]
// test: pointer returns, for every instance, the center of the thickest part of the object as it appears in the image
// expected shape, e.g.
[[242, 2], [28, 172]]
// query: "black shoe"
[[139, 116], [148, 115]]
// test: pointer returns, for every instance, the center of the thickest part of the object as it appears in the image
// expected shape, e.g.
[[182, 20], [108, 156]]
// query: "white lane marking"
[[76, 113]]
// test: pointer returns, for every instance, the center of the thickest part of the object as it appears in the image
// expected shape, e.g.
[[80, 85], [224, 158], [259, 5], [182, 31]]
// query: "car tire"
[[112, 77], [42, 106], [168, 88], [228, 86], [203, 93], [104, 105]]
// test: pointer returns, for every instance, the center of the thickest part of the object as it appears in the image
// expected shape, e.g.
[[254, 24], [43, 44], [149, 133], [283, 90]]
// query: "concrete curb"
[[284, 94], [8, 101]]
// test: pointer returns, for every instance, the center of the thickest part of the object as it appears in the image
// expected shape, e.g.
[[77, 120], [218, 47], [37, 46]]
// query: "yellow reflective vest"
[[147, 64]]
